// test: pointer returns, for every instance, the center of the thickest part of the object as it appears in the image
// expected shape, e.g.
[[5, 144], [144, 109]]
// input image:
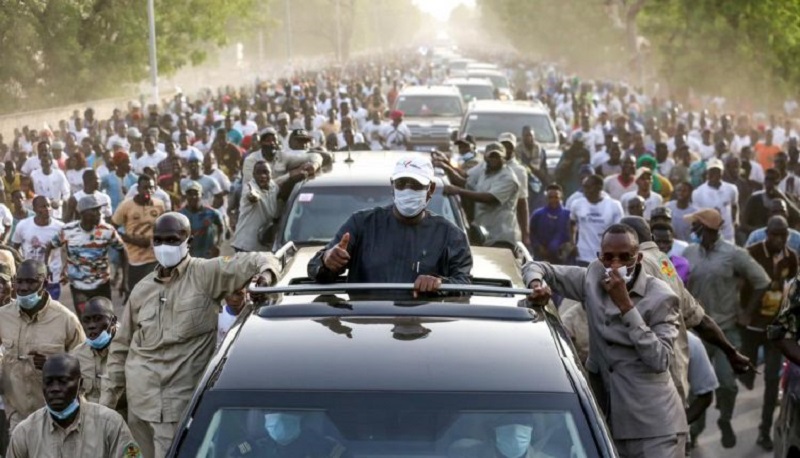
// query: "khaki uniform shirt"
[[631, 353], [51, 331], [168, 333], [97, 432], [252, 216], [93, 369], [657, 264], [500, 220]]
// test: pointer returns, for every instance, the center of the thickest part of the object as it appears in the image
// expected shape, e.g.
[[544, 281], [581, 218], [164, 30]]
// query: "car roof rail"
[[373, 287], [285, 253]]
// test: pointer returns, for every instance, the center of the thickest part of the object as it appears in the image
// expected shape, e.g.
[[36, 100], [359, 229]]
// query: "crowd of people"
[[686, 217]]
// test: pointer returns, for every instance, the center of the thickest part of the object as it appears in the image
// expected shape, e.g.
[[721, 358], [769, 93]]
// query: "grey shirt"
[[715, 275], [500, 220], [384, 250], [631, 353], [681, 227], [254, 215]]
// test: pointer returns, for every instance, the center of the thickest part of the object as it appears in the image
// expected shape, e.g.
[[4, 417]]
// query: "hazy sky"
[[440, 9]]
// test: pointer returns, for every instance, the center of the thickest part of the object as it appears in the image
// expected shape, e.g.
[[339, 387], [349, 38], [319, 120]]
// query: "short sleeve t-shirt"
[[722, 199], [499, 220], [702, 378], [653, 201], [34, 239], [204, 225], [87, 253], [138, 220], [592, 220], [210, 187]]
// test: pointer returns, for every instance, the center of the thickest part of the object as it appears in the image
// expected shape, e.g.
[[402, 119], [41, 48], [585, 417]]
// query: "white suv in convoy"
[[432, 113]]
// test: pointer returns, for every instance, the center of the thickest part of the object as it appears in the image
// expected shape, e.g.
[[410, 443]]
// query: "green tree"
[[64, 51]]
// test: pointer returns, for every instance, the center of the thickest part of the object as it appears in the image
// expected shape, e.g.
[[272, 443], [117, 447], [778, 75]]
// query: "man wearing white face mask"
[[632, 319], [399, 243], [285, 436], [167, 332]]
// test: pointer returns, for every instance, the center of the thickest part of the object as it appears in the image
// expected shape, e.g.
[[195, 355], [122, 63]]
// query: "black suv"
[[322, 370]]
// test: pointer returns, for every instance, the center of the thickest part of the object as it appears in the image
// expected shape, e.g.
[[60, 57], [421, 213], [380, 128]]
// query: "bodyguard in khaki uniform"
[[632, 329], [100, 325], [69, 426], [32, 328], [167, 332]]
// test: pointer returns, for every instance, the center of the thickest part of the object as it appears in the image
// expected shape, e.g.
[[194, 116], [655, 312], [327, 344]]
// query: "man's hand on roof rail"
[[426, 284], [541, 292]]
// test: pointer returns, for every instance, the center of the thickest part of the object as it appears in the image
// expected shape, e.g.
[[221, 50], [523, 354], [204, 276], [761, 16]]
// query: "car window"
[[317, 214], [430, 106], [499, 81], [488, 126], [476, 92], [266, 432]]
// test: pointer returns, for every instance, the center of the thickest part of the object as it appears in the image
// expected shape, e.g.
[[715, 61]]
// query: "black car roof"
[[394, 346]]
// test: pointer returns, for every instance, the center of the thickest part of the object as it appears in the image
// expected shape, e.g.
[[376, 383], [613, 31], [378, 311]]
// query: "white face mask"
[[409, 202], [171, 255], [513, 440], [624, 271]]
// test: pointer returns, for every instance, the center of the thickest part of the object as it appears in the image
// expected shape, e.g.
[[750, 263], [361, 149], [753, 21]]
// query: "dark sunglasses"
[[610, 257]]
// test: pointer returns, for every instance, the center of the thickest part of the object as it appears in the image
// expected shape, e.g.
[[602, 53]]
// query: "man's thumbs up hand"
[[344, 241], [337, 257]]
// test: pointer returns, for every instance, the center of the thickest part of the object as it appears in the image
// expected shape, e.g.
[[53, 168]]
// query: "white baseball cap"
[[416, 168]]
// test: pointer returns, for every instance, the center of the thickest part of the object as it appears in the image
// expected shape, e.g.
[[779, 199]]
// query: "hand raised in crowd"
[[426, 284], [337, 257], [450, 190]]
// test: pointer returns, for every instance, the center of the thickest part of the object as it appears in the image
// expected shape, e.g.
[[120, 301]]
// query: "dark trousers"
[[81, 296], [751, 341], [728, 389], [136, 273]]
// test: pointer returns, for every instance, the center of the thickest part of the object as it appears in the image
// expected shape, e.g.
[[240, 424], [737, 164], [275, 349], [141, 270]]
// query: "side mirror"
[[477, 235]]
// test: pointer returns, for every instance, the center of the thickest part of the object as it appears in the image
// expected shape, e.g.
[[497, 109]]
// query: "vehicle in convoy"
[[787, 426], [364, 374], [485, 120], [317, 208], [498, 79], [432, 113], [472, 88], [459, 65], [481, 66]]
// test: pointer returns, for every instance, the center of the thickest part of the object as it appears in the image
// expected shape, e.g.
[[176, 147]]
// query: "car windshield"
[[471, 92], [430, 106], [317, 214], [399, 432], [488, 126], [499, 81]]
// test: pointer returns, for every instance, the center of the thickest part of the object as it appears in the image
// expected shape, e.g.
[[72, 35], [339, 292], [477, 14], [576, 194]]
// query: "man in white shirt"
[[244, 125], [52, 184], [756, 170], [151, 157], [186, 150], [644, 184], [120, 137], [32, 237], [373, 131], [396, 136], [720, 195], [591, 216]]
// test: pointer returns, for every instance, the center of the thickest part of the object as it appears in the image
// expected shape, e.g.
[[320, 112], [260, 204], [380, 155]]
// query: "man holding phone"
[[632, 319]]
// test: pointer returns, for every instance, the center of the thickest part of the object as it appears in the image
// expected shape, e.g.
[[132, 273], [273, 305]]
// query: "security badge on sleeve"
[[132, 450]]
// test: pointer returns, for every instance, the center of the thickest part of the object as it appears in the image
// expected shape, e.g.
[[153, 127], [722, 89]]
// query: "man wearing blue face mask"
[[285, 436], [69, 425], [100, 325], [399, 243], [32, 328], [633, 325]]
